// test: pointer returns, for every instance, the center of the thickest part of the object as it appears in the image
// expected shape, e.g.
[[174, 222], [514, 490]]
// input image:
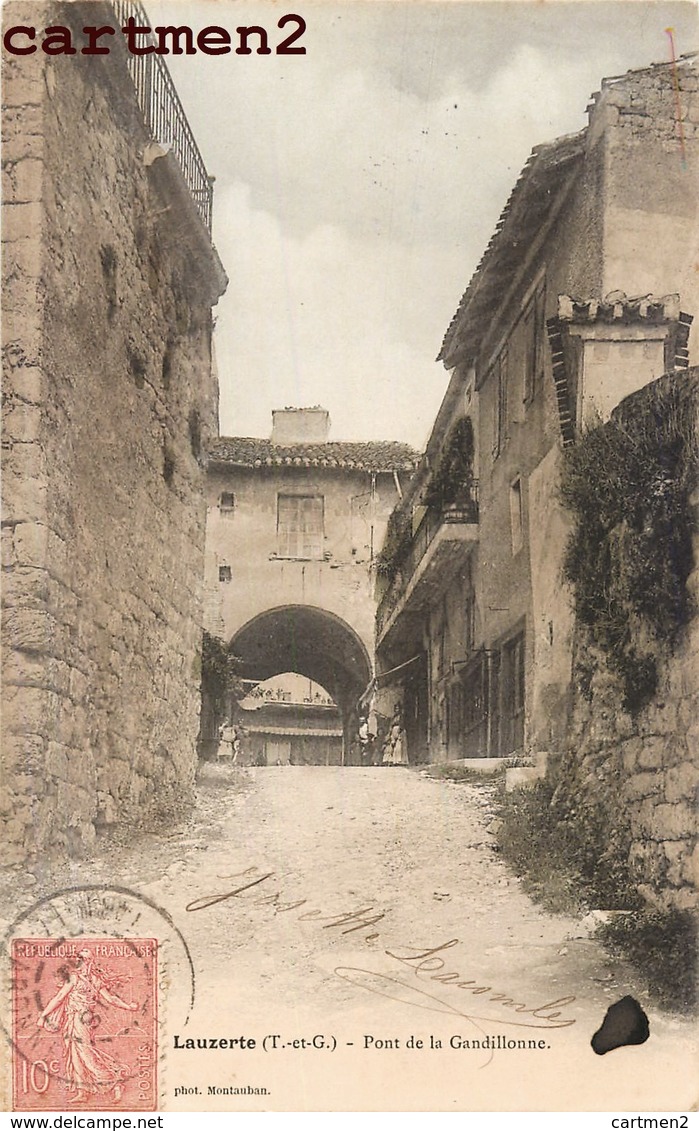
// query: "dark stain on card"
[[624, 1023]]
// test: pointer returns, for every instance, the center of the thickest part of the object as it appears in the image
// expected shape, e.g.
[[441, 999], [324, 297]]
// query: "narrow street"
[[349, 877]]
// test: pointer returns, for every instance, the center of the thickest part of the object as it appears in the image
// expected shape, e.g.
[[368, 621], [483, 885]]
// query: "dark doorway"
[[415, 711]]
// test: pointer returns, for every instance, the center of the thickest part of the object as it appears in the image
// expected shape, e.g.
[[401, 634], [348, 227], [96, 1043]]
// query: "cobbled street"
[[345, 879]]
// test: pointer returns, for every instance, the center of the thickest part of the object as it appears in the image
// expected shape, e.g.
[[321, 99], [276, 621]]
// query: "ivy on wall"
[[627, 484], [219, 669], [219, 680], [396, 545], [452, 481]]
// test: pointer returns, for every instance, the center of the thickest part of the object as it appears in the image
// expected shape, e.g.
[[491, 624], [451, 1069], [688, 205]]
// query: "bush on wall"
[[220, 684], [627, 484], [452, 481], [397, 543]]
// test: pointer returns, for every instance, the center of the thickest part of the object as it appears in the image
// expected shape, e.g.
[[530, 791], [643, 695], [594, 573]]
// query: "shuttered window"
[[535, 327], [501, 420], [300, 526]]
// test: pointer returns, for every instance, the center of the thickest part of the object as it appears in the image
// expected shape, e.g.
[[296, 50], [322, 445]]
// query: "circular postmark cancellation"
[[93, 975]]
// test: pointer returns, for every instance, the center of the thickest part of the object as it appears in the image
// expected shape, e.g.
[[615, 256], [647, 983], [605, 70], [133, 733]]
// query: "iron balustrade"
[[163, 113], [465, 511]]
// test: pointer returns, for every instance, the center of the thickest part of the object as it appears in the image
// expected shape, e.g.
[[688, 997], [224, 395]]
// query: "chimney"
[[300, 425]]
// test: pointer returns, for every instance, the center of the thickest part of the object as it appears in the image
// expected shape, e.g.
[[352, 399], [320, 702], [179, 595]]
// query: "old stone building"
[[578, 301], [293, 529], [109, 401]]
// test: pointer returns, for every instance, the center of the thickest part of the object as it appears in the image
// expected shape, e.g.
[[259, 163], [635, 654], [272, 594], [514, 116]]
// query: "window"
[[516, 515], [533, 319], [501, 406], [225, 573], [226, 504], [300, 526]]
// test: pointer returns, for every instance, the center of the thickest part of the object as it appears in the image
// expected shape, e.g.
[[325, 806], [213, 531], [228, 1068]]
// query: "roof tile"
[[371, 455]]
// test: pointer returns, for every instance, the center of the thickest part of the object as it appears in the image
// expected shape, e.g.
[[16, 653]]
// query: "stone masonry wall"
[[640, 771], [109, 402], [644, 771]]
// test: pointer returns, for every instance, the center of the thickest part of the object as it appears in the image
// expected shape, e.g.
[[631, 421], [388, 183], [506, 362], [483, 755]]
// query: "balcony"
[[164, 116], [439, 546]]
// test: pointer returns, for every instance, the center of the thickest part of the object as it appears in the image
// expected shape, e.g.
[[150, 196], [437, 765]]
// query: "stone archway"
[[312, 642]]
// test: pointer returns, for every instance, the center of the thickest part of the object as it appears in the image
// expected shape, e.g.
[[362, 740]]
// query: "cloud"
[[347, 266], [358, 186], [317, 318]]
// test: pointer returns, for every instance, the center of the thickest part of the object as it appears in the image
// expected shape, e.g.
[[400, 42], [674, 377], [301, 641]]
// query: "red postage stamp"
[[84, 1024]]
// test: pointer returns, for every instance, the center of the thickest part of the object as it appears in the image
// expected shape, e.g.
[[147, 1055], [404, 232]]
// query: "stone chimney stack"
[[300, 425]]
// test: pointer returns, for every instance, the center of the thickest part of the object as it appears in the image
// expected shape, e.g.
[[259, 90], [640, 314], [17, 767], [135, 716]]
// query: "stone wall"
[[643, 772], [633, 777], [109, 401]]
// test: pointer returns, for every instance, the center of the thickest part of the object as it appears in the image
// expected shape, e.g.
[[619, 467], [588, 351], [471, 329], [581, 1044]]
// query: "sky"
[[357, 185]]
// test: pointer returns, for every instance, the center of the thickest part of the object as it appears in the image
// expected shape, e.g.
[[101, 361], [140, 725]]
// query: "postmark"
[[84, 1020]]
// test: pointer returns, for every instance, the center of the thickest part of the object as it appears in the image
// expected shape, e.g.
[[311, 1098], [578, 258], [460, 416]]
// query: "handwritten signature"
[[425, 964], [359, 919]]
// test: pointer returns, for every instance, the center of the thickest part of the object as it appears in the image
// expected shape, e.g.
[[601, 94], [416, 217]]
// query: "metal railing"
[[463, 512], [163, 112]]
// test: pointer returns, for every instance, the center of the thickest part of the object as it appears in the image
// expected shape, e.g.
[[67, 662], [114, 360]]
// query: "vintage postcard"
[[350, 637]]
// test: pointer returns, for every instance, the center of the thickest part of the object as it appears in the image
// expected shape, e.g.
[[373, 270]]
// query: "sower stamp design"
[[84, 1024]]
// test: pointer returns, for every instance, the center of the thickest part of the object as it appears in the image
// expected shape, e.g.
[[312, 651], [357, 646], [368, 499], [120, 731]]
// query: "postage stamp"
[[85, 1024]]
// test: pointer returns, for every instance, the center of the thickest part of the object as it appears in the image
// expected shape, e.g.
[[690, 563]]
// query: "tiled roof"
[[529, 204], [372, 455]]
